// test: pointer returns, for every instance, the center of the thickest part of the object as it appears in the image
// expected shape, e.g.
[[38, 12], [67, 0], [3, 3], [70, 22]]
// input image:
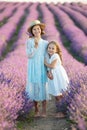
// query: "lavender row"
[[2, 5], [7, 12], [78, 42], [9, 28], [76, 7], [2, 8], [78, 17], [13, 70], [83, 6]]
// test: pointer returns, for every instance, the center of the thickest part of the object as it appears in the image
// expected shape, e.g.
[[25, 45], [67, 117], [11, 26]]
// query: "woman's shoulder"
[[45, 41], [29, 42], [29, 39]]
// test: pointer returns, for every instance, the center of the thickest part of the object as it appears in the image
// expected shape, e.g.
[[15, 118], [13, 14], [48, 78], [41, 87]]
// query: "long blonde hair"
[[59, 52]]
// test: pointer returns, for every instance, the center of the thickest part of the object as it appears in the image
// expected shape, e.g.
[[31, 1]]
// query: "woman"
[[36, 87]]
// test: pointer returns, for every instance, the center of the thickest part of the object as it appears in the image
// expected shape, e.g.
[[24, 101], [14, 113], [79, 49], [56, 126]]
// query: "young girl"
[[36, 87], [58, 80]]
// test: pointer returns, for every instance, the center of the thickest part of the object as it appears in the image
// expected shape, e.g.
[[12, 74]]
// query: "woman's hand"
[[36, 42], [45, 62]]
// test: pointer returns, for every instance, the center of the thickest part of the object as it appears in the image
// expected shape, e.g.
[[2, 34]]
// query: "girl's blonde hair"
[[59, 52]]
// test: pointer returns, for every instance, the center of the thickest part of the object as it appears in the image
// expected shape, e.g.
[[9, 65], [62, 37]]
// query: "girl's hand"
[[50, 76]]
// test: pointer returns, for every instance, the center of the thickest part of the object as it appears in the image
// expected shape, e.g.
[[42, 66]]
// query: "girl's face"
[[51, 49], [36, 30]]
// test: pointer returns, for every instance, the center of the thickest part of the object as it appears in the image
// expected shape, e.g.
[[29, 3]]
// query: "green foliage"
[[24, 120]]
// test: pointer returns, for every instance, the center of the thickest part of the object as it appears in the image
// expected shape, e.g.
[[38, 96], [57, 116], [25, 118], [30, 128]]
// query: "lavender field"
[[66, 23]]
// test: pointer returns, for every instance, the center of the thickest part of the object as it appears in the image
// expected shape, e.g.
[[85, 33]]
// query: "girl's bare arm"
[[52, 65]]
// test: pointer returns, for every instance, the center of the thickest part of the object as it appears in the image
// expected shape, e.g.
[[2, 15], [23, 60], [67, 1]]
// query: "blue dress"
[[36, 87], [60, 82]]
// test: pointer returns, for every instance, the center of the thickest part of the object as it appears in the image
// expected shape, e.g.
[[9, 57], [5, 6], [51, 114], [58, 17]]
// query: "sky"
[[48, 1]]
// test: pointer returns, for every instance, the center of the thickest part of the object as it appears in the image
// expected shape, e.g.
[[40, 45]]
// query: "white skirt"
[[60, 82]]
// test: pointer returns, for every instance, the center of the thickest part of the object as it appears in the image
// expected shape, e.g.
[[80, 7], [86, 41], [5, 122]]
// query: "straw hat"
[[36, 22]]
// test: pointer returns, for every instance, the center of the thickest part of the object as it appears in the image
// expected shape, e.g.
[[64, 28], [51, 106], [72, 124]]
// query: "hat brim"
[[42, 26]]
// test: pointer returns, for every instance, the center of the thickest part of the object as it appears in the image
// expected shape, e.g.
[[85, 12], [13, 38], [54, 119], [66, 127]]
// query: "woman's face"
[[51, 49], [36, 30]]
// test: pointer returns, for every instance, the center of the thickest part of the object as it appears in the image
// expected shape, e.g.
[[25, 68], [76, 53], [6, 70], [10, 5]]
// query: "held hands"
[[49, 74]]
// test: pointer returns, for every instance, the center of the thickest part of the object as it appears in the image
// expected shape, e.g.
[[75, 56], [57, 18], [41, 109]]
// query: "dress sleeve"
[[30, 49], [56, 57]]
